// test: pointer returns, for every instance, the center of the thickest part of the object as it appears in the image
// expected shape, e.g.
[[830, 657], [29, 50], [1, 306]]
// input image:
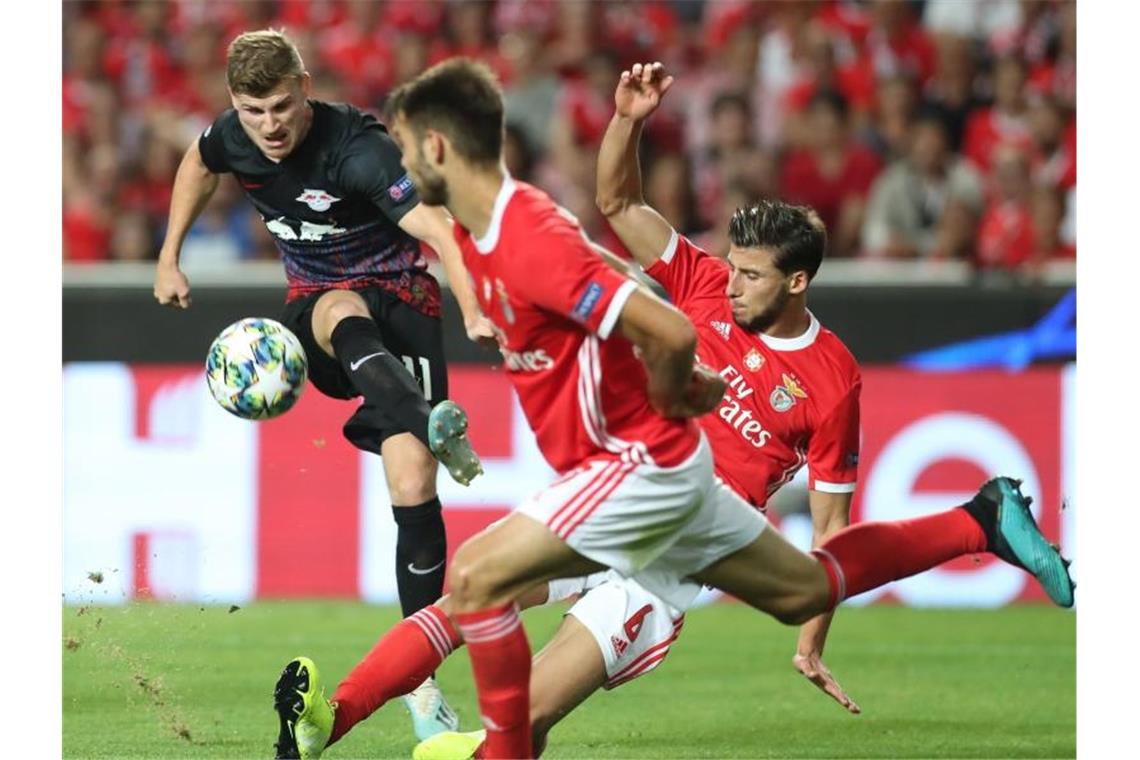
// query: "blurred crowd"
[[918, 130]]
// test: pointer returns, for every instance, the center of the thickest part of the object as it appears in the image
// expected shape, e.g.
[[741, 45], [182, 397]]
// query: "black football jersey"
[[332, 204]]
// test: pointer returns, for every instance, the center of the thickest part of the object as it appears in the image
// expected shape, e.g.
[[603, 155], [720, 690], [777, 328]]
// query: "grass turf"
[[184, 681]]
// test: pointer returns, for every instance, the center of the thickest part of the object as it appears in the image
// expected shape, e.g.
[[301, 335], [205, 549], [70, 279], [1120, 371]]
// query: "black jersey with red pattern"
[[333, 204]]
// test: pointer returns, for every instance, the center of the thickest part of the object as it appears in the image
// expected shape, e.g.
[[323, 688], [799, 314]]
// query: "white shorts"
[[654, 524], [633, 628]]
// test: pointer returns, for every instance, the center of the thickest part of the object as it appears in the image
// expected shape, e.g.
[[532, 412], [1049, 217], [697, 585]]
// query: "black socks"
[[421, 555]]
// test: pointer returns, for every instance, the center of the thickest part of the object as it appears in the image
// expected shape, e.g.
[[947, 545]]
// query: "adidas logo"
[[724, 328]]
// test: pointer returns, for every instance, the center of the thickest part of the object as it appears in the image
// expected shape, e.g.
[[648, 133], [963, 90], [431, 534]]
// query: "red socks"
[[398, 663], [867, 555], [500, 659]]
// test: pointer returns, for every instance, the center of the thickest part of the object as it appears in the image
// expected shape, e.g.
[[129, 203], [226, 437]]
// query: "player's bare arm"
[[619, 195], [666, 342], [194, 184], [432, 225], [830, 513]]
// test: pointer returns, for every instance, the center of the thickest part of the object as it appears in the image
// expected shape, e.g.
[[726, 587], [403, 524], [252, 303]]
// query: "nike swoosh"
[[416, 571], [356, 364]]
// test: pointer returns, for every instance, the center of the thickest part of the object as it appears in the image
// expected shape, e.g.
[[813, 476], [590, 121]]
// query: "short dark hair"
[[460, 98], [796, 234], [256, 62]]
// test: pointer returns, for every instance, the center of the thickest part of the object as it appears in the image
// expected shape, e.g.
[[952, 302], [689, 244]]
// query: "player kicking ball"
[[327, 181], [636, 491]]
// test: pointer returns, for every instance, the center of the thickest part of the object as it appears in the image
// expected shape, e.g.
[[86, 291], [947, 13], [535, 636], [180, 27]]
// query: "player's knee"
[[802, 605], [331, 309], [472, 581], [411, 487]]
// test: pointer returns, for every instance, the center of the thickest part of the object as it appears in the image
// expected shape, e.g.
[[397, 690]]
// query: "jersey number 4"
[[633, 625]]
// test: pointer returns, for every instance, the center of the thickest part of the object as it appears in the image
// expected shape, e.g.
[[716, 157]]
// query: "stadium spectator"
[[358, 51], [832, 174], [731, 157], [950, 92], [1048, 209], [518, 155], [896, 105], [532, 91], [1005, 122], [84, 80], [1006, 234], [578, 29], [781, 65], [136, 74], [468, 27], [715, 239], [132, 238], [897, 43], [1057, 75], [924, 206], [1054, 145], [821, 73], [669, 189], [731, 36], [221, 235], [140, 63]]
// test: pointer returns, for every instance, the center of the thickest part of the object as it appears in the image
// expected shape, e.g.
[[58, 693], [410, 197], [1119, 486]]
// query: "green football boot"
[[1012, 534], [306, 715], [450, 745], [447, 437]]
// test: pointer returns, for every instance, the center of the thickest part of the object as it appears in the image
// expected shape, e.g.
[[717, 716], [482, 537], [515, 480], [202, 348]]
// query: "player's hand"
[[640, 89], [171, 288], [703, 393], [481, 331], [813, 669]]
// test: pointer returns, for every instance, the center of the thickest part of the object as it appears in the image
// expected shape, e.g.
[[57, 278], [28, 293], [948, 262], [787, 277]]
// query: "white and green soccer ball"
[[256, 368]]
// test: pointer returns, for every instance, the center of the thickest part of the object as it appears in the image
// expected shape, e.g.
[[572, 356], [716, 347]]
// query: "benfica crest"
[[784, 395]]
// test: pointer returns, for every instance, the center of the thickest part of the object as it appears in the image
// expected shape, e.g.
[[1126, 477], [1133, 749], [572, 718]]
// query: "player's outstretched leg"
[[1012, 534], [864, 556], [305, 714], [447, 438], [397, 665]]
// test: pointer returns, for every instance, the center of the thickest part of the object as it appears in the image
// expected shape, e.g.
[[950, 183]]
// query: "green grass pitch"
[[184, 681]]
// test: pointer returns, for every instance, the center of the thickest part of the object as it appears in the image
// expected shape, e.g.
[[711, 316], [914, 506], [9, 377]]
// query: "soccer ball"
[[256, 368]]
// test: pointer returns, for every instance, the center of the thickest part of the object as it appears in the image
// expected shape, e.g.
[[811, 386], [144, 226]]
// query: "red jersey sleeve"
[[688, 273], [833, 450], [567, 277]]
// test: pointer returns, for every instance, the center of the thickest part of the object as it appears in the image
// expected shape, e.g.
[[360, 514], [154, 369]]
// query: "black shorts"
[[412, 337]]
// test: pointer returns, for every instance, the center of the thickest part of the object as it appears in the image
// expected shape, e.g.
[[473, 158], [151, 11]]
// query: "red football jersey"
[[790, 401], [554, 304]]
